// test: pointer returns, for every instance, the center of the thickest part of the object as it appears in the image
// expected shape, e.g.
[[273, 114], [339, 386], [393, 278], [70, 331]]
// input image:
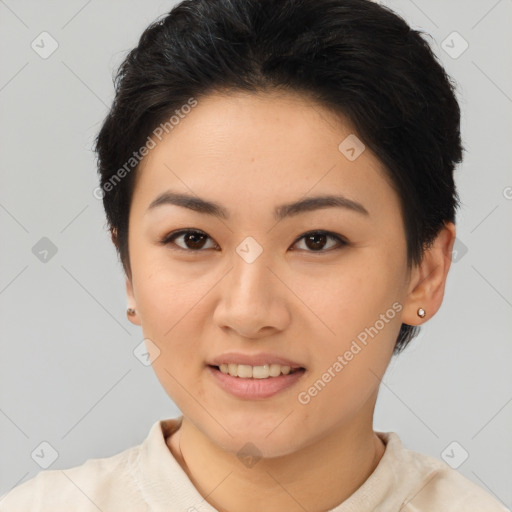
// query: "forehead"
[[247, 149]]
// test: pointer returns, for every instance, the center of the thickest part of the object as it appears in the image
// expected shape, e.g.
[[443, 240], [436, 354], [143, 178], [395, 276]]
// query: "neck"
[[316, 478]]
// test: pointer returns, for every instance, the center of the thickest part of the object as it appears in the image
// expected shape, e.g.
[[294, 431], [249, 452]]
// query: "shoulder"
[[437, 486], [94, 485]]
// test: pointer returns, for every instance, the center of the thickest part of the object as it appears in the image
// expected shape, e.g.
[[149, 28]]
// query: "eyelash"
[[172, 236]]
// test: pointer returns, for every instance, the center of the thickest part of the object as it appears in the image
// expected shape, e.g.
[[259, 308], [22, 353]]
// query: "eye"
[[317, 240], [194, 240]]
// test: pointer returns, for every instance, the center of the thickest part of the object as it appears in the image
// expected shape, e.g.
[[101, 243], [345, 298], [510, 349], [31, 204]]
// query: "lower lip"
[[254, 388]]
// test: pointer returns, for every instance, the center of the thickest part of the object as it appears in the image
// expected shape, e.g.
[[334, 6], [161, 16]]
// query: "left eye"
[[193, 240], [316, 240]]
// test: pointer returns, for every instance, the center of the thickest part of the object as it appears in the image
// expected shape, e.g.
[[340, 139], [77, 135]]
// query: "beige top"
[[147, 477]]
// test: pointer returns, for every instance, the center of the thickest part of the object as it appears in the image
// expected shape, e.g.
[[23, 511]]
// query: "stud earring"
[[130, 311], [421, 312]]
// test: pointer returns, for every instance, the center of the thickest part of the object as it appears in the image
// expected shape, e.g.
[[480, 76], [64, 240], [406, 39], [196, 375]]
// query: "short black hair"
[[355, 57]]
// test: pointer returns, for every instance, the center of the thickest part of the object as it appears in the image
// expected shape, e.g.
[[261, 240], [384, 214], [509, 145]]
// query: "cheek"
[[357, 306], [166, 290], [360, 302], [170, 309]]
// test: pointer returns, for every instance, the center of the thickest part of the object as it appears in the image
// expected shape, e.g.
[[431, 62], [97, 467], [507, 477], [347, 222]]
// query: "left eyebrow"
[[308, 204]]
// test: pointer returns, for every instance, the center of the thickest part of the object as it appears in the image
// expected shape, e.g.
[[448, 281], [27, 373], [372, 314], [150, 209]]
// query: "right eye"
[[192, 240]]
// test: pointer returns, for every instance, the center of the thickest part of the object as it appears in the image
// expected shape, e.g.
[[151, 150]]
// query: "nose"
[[253, 300]]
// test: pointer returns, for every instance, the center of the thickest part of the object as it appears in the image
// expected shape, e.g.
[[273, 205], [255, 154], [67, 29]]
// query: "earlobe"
[[429, 278], [131, 310]]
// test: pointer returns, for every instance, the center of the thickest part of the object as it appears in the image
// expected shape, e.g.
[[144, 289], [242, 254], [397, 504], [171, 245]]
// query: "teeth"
[[246, 371]]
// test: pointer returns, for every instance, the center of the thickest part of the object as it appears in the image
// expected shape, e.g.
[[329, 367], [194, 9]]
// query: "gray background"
[[68, 375]]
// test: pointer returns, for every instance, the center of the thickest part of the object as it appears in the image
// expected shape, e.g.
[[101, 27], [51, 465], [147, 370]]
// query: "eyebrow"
[[308, 204]]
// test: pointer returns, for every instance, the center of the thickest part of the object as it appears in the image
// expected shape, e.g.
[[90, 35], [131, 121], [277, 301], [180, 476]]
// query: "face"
[[320, 287]]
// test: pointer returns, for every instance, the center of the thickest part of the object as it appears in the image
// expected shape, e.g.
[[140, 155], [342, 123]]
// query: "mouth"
[[255, 382], [265, 371]]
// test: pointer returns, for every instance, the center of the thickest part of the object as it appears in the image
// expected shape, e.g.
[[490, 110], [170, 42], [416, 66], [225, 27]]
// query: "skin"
[[249, 153]]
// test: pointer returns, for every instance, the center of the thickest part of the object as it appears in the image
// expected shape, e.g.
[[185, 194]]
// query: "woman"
[[278, 182]]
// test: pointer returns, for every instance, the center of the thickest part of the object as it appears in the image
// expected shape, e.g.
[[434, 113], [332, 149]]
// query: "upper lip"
[[259, 359]]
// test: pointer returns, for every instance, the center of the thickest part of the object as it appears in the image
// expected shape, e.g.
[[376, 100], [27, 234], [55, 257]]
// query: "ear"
[[132, 303], [113, 237], [428, 279]]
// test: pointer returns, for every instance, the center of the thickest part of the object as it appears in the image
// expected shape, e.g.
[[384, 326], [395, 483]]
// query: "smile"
[[246, 371], [255, 382]]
